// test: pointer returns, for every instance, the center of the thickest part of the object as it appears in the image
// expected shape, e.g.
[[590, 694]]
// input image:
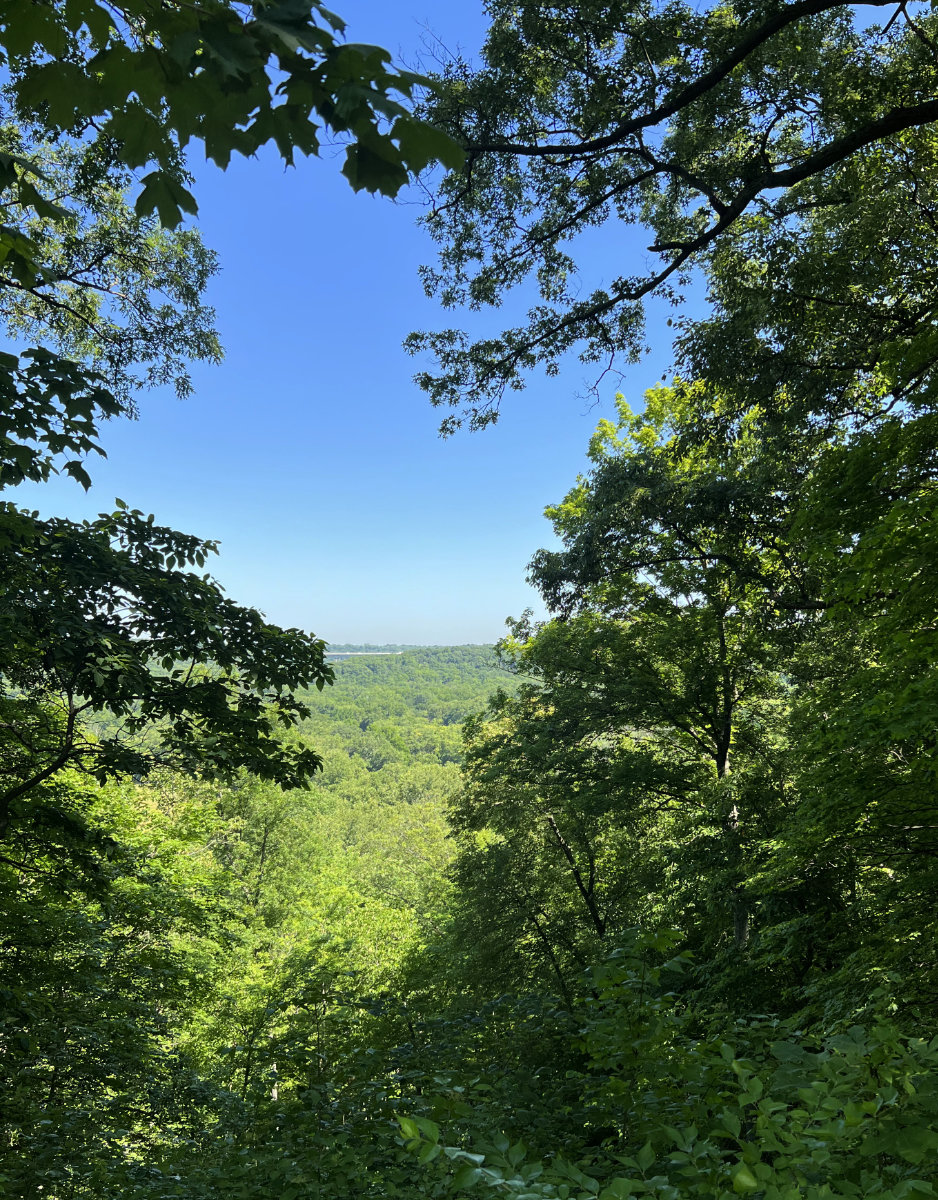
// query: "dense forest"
[[641, 902], [203, 954]]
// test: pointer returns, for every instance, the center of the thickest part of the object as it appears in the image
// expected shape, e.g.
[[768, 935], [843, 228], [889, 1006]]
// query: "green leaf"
[[744, 1181], [421, 144], [77, 471], [731, 1121], [619, 1189], [409, 1128], [466, 1176], [163, 195], [429, 1129], [788, 1052], [375, 167]]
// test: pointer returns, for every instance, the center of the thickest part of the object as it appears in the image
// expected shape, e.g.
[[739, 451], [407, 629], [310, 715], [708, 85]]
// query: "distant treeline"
[[390, 647]]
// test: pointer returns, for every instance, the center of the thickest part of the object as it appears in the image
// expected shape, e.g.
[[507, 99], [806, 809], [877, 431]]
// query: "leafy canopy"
[[145, 81], [693, 123]]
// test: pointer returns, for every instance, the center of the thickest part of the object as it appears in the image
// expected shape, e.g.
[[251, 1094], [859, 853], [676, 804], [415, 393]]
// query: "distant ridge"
[[368, 648], [395, 648], [361, 653]]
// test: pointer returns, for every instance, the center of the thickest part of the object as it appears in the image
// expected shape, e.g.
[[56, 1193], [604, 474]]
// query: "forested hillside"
[[643, 901], [174, 951]]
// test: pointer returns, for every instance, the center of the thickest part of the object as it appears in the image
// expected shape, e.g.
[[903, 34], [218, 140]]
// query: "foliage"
[[397, 978], [95, 976], [730, 727], [153, 644], [115, 306], [641, 773], [753, 1107], [113, 288], [713, 128], [209, 975], [144, 83], [93, 95]]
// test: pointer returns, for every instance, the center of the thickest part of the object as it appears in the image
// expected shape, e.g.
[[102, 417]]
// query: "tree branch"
[[787, 15]]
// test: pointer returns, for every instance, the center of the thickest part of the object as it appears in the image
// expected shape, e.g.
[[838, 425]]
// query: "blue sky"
[[309, 452]]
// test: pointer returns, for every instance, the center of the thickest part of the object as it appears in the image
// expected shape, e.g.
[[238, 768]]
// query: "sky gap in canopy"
[[309, 452]]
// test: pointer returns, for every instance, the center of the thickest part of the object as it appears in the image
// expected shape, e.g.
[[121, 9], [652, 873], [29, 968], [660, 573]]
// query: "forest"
[[640, 902]]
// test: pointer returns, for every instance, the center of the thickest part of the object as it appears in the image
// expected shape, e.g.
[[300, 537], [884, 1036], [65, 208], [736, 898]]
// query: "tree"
[[204, 982], [92, 95], [102, 960], [139, 84], [153, 645], [709, 127], [116, 306], [641, 773], [786, 155]]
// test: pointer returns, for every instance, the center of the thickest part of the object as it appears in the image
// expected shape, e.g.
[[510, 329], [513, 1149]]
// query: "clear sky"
[[309, 452]]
